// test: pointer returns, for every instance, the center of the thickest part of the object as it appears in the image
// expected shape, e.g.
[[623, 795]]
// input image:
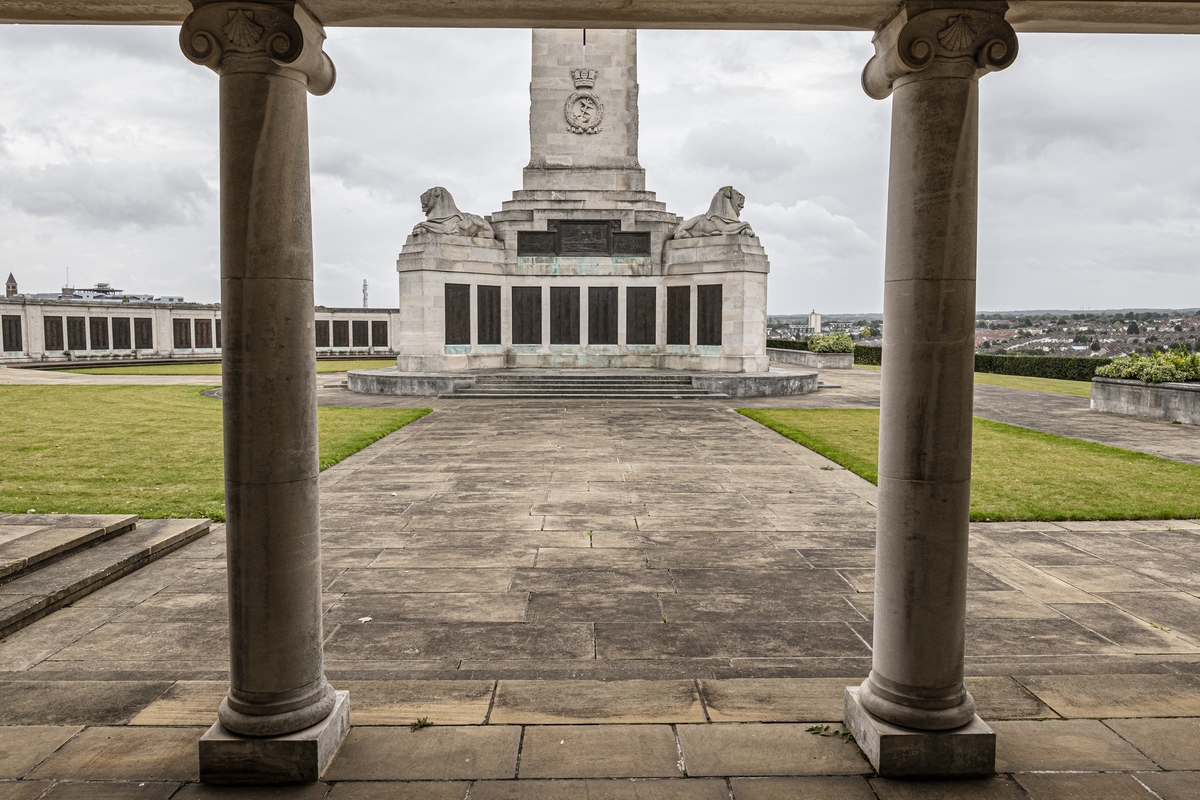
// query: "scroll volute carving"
[[949, 42], [239, 36]]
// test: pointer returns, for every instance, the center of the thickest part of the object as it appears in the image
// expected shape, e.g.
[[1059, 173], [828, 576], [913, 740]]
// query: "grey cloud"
[[108, 194], [741, 150]]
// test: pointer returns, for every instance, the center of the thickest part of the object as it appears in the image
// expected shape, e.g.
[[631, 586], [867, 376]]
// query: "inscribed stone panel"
[[204, 333], [641, 313], [322, 332], [458, 313], [11, 324], [487, 299], [359, 330], [120, 332], [53, 327], [379, 333], [98, 328], [341, 333], [679, 315], [564, 315], [143, 333], [76, 333], [217, 325], [181, 330], [708, 314], [602, 315], [527, 315]]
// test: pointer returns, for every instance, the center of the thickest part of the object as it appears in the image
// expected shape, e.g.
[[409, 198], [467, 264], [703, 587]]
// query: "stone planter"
[[1173, 402], [806, 358]]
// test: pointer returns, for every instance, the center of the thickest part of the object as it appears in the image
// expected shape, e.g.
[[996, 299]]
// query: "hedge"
[[1067, 368], [872, 356], [788, 344], [1070, 368]]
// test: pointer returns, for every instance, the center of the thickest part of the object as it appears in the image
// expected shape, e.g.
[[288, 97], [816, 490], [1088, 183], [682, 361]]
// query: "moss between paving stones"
[[149, 450], [214, 368], [1018, 474]]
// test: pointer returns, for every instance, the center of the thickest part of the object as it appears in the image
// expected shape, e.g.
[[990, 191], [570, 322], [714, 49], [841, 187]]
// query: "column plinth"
[[269, 57], [930, 63]]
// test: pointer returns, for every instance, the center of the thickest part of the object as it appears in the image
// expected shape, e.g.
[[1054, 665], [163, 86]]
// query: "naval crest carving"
[[584, 110]]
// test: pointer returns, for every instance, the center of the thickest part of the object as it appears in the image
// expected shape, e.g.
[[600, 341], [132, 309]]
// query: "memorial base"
[[300, 757], [896, 752]]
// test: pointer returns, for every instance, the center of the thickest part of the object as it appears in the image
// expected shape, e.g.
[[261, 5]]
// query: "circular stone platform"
[[510, 383]]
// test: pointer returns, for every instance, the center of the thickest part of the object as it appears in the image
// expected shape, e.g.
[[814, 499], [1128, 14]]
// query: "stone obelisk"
[[583, 116]]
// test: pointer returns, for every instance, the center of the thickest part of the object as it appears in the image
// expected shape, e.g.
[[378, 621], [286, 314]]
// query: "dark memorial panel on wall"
[[487, 300], [143, 333], [564, 315], [76, 333], [527, 315], [579, 237], [708, 314], [458, 313], [11, 333], [379, 333], [98, 328], [341, 333], [203, 333], [322, 332], [217, 325], [52, 326], [602, 315], [182, 330], [360, 330], [679, 315], [121, 337], [640, 314]]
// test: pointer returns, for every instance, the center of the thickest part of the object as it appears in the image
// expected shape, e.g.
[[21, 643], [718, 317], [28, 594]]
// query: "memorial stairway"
[[48, 561], [606, 386]]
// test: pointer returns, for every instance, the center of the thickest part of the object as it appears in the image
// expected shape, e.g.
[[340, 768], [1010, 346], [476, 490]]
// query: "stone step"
[[30, 540], [534, 395], [26, 598]]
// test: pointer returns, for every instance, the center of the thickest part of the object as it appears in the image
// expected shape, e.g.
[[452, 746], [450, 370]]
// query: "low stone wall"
[[421, 384], [756, 384], [1173, 402], [806, 358]]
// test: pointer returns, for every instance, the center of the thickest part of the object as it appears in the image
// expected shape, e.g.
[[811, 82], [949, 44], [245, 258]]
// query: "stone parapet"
[[1173, 402], [807, 358], [740, 253]]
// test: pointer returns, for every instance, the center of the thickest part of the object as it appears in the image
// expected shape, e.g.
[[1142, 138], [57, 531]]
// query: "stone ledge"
[[1171, 402]]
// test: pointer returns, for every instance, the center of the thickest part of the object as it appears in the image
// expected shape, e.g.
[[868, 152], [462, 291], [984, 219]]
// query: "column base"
[[300, 757], [896, 752]]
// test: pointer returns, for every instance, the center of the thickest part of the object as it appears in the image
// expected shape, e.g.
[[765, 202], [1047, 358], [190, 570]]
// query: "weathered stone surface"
[[428, 754], [24, 747], [815, 788], [592, 702], [773, 699], [1096, 696], [755, 749], [1170, 743], [125, 754], [1063, 745], [77, 702], [1173, 785], [399, 790], [599, 751], [1097, 786], [998, 788], [640, 789]]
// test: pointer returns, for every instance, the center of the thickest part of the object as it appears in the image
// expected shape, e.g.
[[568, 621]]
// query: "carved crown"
[[584, 78]]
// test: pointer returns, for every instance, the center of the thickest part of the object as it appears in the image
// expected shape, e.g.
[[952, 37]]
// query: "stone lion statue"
[[721, 219], [445, 218]]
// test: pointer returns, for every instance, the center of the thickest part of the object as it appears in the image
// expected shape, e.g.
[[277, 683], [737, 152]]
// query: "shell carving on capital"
[[961, 42], [239, 36]]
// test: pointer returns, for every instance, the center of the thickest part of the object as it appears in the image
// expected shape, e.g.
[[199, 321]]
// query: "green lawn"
[[149, 450], [1052, 385], [215, 369], [1017, 474]]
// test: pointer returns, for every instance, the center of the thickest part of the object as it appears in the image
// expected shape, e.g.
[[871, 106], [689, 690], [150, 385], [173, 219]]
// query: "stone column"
[[930, 58], [269, 57]]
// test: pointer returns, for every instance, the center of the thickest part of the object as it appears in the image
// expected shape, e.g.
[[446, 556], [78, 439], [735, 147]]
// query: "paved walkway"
[[577, 594]]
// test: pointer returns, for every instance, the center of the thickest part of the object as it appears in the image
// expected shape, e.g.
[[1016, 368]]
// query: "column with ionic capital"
[[912, 715], [269, 57]]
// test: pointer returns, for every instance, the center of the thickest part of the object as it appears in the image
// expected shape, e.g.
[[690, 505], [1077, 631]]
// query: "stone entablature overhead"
[[583, 267]]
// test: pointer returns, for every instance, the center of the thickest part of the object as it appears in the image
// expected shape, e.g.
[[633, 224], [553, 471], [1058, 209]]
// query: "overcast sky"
[[1089, 183]]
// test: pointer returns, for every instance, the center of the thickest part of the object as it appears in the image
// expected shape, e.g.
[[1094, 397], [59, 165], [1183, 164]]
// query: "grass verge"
[[1017, 473], [215, 369], [149, 450], [1051, 385]]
